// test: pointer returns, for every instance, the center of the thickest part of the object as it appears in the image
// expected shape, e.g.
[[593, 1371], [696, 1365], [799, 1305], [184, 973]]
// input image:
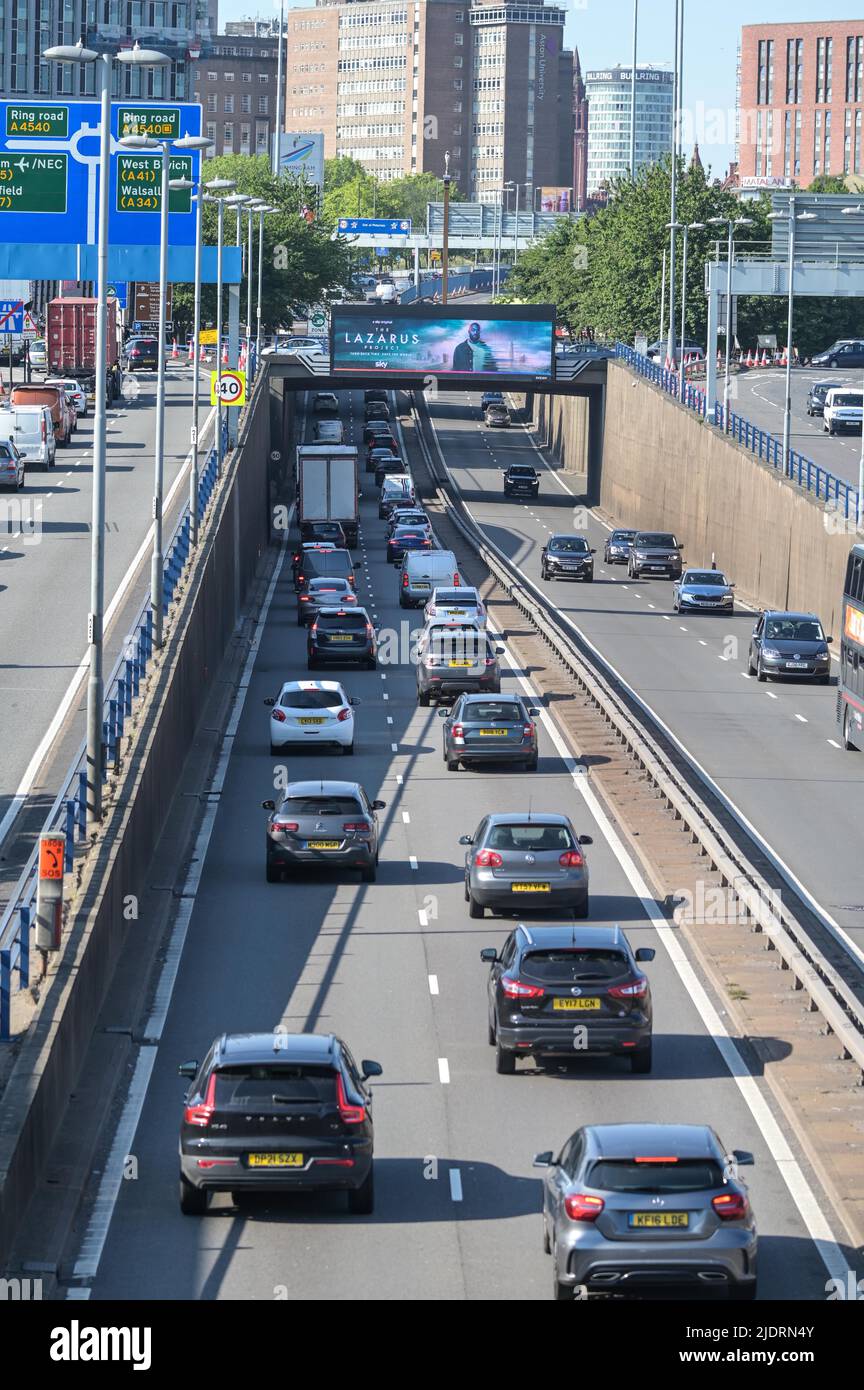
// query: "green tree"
[[300, 263], [828, 183]]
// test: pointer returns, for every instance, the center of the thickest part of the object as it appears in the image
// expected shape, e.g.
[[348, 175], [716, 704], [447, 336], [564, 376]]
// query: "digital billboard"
[[433, 339]]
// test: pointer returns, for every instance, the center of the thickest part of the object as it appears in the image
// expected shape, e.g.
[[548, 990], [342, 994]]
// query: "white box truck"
[[328, 486]]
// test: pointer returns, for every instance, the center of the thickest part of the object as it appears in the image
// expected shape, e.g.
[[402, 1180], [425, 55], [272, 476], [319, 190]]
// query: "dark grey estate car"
[[789, 644], [490, 728], [568, 992], [639, 1208], [524, 862], [283, 1112], [330, 825]]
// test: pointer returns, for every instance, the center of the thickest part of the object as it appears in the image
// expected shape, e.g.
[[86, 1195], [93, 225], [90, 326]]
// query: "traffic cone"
[[241, 365], [202, 356], [174, 353], [225, 355]]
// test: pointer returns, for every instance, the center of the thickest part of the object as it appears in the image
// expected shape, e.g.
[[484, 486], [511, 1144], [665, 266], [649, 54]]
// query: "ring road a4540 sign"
[[49, 173]]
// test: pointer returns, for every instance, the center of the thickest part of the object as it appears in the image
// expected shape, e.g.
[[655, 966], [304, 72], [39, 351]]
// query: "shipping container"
[[71, 341]]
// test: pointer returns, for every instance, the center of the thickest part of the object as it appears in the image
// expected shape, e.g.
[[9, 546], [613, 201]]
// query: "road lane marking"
[[443, 1071], [433, 984], [389, 719], [682, 629], [394, 746], [384, 695], [406, 819], [455, 1184], [422, 917], [412, 860], [771, 695], [801, 718], [834, 744], [400, 780]]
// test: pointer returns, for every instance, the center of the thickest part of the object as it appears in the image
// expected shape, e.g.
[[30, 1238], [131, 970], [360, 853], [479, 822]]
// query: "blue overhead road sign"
[[11, 316], [49, 173], [376, 226]]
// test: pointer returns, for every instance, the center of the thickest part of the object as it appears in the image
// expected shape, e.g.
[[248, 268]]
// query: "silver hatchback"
[[526, 862], [646, 1208]]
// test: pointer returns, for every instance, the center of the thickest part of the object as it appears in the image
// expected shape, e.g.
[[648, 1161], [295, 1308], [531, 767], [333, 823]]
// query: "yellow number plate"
[[275, 1160], [341, 637], [530, 888], [569, 1004], [323, 844], [460, 663], [642, 1220], [310, 721], [494, 733]]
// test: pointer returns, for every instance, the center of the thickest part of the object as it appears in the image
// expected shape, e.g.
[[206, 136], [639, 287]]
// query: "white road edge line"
[[93, 1242]]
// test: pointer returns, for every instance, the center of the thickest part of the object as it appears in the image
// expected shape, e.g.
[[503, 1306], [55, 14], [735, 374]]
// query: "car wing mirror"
[[189, 1069], [352, 700], [743, 1158], [489, 954], [269, 805], [270, 701], [371, 1068], [586, 840], [533, 712], [378, 805], [593, 550], [499, 651], [829, 640], [443, 713], [466, 839], [544, 1160], [645, 953]]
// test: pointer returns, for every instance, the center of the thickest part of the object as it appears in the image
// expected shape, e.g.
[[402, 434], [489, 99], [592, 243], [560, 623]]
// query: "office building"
[[580, 138], [396, 83], [28, 27], [800, 102], [235, 82], [609, 102]]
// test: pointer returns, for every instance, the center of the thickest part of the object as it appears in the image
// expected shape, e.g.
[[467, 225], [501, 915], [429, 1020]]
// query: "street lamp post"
[[77, 53], [633, 92], [730, 224], [508, 189], [793, 218], [215, 194], [262, 210], [281, 50], [673, 195], [859, 517], [687, 228], [445, 236], [201, 143]]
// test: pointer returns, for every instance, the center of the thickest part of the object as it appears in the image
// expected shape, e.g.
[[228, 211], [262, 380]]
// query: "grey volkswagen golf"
[[642, 1208], [490, 728], [526, 862]]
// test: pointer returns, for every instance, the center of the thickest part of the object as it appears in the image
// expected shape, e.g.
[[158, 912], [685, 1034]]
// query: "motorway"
[[45, 573], [394, 969], [773, 748], [759, 397]]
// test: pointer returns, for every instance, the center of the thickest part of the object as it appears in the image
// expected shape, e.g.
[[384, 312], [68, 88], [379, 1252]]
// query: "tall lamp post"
[[633, 92], [157, 558], [216, 190], [792, 219], [673, 194], [859, 519], [445, 231], [687, 228], [509, 186], [730, 223], [279, 60], [190, 143], [262, 210], [147, 57], [251, 208]]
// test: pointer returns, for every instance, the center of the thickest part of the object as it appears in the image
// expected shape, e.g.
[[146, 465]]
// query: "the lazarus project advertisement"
[[431, 340]]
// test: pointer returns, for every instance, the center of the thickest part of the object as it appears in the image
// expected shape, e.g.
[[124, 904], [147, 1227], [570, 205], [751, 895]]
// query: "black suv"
[[522, 479], [567, 557], [846, 352], [655, 552], [277, 1112], [568, 992], [816, 396], [328, 531], [343, 635]]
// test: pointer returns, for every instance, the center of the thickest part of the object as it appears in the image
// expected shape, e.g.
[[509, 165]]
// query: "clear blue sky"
[[602, 30]]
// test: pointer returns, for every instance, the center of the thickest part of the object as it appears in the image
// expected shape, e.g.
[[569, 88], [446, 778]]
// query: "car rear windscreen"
[[492, 709], [529, 837], [572, 967], [274, 1085], [320, 806], [685, 1175], [324, 562], [310, 699], [342, 622], [464, 598]]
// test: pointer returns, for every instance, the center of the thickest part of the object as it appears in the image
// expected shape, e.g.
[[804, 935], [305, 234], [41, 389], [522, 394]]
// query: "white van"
[[328, 432], [844, 409], [424, 570], [32, 429]]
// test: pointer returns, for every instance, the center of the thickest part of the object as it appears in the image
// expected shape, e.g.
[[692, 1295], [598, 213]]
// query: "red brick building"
[[801, 101]]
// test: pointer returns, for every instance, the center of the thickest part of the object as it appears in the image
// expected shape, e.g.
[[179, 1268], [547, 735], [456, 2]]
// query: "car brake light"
[[637, 990], [313, 629], [304, 598], [343, 715], [459, 732], [278, 715], [456, 581], [490, 661], [655, 1158], [350, 579], [357, 827], [368, 629], [199, 1115], [43, 429], [579, 1206], [730, 1206], [488, 859], [348, 1114], [571, 859], [529, 730], [515, 989], [405, 581]]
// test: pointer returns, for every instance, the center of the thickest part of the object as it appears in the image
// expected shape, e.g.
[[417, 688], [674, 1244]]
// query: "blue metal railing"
[[68, 815], [826, 487]]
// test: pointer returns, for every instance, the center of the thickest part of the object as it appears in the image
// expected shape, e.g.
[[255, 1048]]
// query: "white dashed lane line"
[[834, 743], [443, 1071], [433, 984], [412, 862], [455, 1184], [406, 819], [801, 719]]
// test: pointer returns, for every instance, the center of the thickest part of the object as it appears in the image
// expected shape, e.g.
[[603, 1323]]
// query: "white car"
[[449, 605], [310, 712], [74, 390]]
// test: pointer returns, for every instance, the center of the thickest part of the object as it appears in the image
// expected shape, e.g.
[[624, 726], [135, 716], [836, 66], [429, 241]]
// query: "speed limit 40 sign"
[[228, 388]]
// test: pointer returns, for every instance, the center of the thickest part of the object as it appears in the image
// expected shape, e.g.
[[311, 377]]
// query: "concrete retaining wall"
[[51, 1055]]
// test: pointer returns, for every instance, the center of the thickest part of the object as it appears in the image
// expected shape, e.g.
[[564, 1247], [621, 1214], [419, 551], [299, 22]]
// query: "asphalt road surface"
[[760, 398], [394, 968], [773, 748]]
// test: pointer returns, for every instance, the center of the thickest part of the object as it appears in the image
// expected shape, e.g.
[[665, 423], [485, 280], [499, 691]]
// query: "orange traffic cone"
[[190, 351], [202, 356], [174, 353], [241, 364], [225, 355]]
